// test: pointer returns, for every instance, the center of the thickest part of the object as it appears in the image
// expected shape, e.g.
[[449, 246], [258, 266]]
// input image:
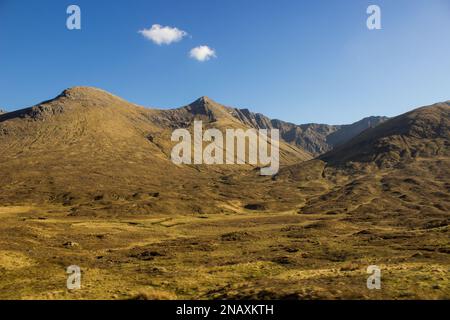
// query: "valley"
[[86, 179], [247, 255]]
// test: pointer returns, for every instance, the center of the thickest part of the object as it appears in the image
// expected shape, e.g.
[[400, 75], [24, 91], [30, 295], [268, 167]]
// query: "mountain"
[[2, 111], [397, 172], [215, 115], [314, 138], [345, 133], [88, 147], [420, 133], [86, 179], [85, 144]]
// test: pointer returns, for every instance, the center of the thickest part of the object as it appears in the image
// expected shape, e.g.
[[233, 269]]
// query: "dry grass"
[[269, 256], [86, 180]]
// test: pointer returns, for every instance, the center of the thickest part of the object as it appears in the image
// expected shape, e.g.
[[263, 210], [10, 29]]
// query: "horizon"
[[313, 63], [215, 101]]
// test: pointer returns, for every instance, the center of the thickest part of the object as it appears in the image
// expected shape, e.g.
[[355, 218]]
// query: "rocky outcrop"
[[312, 137]]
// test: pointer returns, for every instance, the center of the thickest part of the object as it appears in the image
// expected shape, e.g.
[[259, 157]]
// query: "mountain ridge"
[[88, 176], [88, 144], [314, 138], [417, 133]]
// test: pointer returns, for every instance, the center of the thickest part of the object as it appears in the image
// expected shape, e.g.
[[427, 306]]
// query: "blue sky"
[[300, 61]]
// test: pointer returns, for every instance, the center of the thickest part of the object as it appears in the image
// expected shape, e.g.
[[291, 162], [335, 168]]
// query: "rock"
[[71, 244], [256, 206]]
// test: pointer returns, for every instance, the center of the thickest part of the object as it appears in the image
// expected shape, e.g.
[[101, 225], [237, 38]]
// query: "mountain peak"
[[208, 107], [83, 92], [205, 100], [93, 95], [77, 99]]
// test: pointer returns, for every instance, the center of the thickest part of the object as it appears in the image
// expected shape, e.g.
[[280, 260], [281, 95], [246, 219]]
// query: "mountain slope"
[[215, 115], [88, 148], [86, 178], [86, 144], [346, 132], [314, 138], [423, 132], [396, 173], [91, 150]]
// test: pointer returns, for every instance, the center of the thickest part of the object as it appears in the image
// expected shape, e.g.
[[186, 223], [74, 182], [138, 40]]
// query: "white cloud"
[[163, 35], [202, 53]]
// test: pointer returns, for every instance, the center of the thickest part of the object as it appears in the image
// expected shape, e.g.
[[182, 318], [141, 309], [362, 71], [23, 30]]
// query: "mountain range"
[[86, 179], [314, 138], [91, 138]]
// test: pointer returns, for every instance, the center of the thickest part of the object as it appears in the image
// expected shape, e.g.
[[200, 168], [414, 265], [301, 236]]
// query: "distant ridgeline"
[[88, 148]]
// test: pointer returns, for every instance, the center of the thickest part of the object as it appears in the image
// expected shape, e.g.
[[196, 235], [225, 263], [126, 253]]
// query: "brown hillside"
[[314, 138], [423, 132], [90, 148], [86, 179]]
